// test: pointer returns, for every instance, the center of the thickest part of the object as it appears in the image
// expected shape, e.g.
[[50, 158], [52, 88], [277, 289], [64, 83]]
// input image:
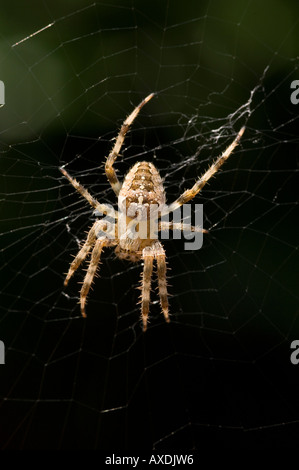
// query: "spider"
[[141, 189]]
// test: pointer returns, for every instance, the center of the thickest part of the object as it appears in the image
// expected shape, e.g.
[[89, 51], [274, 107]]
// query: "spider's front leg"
[[162, 281], [96, 244], [91, 271], [90, 241], [166, 226], [156, 251], [146, 280]]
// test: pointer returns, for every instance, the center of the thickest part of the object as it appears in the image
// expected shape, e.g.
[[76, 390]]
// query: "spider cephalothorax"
[[141, 201]]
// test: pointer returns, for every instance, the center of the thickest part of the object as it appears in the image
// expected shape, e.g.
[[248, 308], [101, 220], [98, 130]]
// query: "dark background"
[[220, 373]]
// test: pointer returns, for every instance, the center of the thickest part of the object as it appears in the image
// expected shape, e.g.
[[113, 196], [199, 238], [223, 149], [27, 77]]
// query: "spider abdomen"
[[142, 187]]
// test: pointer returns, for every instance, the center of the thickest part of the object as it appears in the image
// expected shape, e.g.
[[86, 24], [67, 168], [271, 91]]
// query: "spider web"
[[220, 372]]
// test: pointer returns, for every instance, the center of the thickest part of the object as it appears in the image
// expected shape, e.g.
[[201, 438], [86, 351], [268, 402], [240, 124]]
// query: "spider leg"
[[91, 271], [163, 226], [157, 252], [148, 258], [85, 249], [110, 172], [102, 208], [190, 193], [162, 282], [89, 242]]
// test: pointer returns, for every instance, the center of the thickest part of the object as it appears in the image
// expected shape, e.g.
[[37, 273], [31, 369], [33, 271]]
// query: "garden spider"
[[141, 189]]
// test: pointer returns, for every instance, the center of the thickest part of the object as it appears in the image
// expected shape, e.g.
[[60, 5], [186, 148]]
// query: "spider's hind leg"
[[189, 194], [110, 172], [101, 208]]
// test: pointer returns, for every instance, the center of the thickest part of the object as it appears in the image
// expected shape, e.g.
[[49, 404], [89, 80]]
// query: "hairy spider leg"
[[150, 253], [162, 281], [146, 281], [101, 208], [89, 242], [191, 193], [163, 226], [110, 172], [91, 271]]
